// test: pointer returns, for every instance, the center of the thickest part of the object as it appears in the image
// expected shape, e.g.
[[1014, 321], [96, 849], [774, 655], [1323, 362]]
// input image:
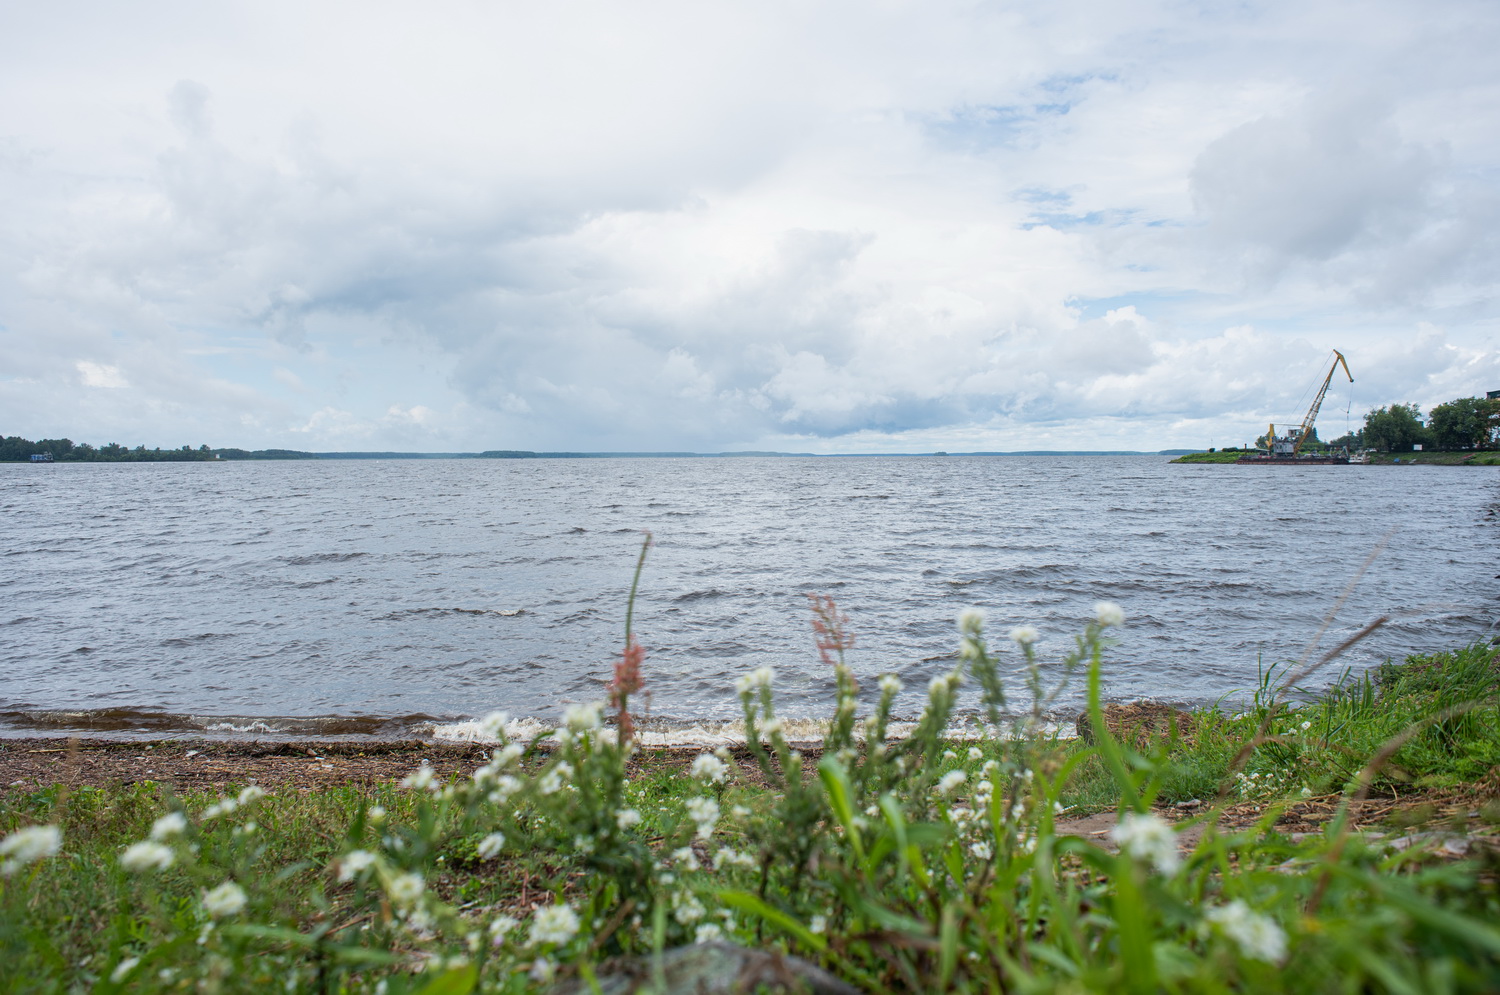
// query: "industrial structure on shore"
[[1286, 450]]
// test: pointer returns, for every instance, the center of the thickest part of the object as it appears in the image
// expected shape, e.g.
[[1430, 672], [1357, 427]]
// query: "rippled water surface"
[[451, 587]]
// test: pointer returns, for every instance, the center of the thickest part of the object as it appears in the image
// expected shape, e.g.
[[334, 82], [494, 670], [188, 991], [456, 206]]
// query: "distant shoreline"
[[264, 455]]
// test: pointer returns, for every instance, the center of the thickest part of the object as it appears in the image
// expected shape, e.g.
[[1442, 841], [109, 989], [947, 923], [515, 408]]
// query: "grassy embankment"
[[1420, 458], [890, 868]]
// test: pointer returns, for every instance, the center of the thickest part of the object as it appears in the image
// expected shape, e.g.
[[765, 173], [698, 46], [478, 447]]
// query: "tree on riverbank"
[[1465, 423], [1396, 428]]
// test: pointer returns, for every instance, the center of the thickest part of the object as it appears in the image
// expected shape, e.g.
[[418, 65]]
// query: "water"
[[380, 595]]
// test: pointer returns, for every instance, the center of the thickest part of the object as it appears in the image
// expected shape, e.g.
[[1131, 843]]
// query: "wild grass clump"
[[909, 865]]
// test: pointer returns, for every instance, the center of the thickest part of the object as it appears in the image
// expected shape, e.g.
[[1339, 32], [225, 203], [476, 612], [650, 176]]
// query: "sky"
[[714, 226]]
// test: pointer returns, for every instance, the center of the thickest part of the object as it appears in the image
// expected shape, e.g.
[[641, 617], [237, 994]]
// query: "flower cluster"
[[710, 768], [27, 846], [1149, 838]]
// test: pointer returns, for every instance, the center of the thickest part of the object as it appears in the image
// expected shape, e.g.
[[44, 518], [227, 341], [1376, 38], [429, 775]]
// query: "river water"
[[388, 597]]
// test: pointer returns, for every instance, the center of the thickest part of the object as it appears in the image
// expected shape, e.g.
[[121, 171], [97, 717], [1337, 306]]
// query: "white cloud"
[[745, 225], [99, 375]]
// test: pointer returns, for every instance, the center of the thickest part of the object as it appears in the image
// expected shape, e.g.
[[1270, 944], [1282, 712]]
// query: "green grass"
[[1432, 458], [909, 901]]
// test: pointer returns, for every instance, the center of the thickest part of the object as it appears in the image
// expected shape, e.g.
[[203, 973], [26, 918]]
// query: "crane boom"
[[1312, 412]]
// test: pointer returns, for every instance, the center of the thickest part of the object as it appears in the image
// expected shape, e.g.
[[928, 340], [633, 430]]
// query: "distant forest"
[[14, 449]]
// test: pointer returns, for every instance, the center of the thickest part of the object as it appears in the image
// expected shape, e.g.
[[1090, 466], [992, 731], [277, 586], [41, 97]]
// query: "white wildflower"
[[951, 780], [542, 970], [733, 858], [555, 924], [170, 825], [740, 812], [708, 932], [225, 900], [122, 970], [686, 908], [506, 755], [982, 850], [484, 775], [253, 793], [1306, 792], [1257, 936], [421, 779], [27, 846], [549, 783], [502, 925], [817, 924], [353, 862], [705, 813], [505, 786], [405, 889], [1306, 725], [710, 768], [890, 684], [584, 718], [1107, 613], [492, 726], [760, 677], [771, 728], [627, 817], [949, 755], [376, 813], [686, 857], [490, 846], [971, 622], [1024, 635], [1150, 838], [224, 806], [975, 753], [147, 855]]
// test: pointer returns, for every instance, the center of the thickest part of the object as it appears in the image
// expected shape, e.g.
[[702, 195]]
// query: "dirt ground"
[[210, 765], [189, 764]]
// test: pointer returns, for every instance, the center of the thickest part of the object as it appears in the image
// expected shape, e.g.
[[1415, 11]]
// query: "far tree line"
[[15, 449], [1461, 424]]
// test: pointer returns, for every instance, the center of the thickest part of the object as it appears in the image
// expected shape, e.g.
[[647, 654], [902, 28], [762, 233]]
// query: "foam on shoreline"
[[131, 724]]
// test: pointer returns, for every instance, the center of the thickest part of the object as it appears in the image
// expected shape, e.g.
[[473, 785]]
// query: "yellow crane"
[[1291, 445]]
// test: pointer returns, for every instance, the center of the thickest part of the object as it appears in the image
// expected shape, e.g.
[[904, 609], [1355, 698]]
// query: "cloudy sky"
[[810, 226]]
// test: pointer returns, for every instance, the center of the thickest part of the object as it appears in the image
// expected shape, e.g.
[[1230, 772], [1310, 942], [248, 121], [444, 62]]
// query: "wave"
[[398, 616], [137, 723], [309, 560], [140, 724]]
